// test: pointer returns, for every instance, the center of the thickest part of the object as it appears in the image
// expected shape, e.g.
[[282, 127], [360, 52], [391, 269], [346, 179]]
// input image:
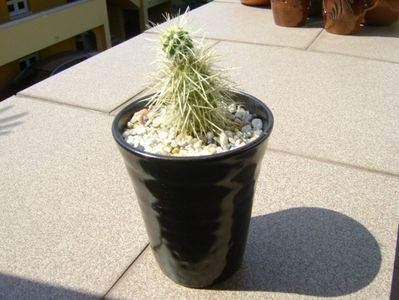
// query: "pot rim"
[[121, 141]]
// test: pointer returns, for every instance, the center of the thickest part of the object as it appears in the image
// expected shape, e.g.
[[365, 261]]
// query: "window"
[[16, 7], [27, 61]]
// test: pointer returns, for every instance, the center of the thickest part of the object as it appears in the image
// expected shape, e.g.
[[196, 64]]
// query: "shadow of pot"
[[196, 209], [307, 251]]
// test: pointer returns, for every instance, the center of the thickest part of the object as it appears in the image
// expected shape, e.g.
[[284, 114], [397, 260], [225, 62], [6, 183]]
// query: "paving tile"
[[326, 106], [104, 81], [69, 221], [371, 42], [317, 230], [107, 80], [144, 93], [248, 24]]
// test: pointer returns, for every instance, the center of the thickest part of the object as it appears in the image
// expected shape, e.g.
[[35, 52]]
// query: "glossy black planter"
[[196, 209]]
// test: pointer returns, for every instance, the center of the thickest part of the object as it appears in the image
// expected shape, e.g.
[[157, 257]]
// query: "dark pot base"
[[228, 272]]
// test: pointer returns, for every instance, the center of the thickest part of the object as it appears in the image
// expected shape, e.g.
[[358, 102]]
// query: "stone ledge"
[[107, 80], [248, 25], [380, 43], [102, 82], [324, 105], [69, 220]]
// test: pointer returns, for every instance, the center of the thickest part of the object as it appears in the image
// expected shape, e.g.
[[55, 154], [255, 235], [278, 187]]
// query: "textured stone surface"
[[312, 234], [250, 24], [69, 221], [142, 94], [104, 81], [326, 106], [107, 80], [371, 42]]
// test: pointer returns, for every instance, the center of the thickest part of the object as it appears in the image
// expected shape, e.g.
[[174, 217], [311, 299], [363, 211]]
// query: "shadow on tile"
[[313, 23], [382, 31], [13, 287], [395, 276], [9, 122], [309, 251]]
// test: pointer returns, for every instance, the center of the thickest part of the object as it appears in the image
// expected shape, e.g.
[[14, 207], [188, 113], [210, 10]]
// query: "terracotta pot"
[[345, 16], [386, 12], [197, 209], [255, 2], [290, 13]]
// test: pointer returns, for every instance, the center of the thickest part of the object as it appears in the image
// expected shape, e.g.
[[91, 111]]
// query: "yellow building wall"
[[67, 45], [116, 21], [10, 70], [96, 8], [40, 5], [51, 27], [101, 42], [4, 16], [34, 6]]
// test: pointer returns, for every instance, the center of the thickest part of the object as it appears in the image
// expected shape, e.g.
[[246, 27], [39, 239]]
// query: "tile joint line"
[[337, 163], [314, 40], [55, 102], [354, 56], [303, 49], [124, 272], [136, 96]]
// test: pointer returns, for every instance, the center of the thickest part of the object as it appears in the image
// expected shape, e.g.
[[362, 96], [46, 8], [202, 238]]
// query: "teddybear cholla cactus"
[[176, 43], [194, 93]]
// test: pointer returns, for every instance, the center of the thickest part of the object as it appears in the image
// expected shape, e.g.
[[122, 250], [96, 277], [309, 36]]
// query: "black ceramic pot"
[[196, 209]]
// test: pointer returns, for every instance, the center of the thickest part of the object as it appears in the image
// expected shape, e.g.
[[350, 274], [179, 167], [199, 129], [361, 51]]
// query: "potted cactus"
[[192, 150]]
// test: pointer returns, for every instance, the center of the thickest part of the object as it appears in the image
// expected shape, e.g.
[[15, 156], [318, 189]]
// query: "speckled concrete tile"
[[107, 80], [317, 229], [371, 42], [250, 24], [327, 106], [144, 93], [69, 222], [104, 81]]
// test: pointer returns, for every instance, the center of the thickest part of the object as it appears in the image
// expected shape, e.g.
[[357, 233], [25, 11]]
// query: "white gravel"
[[146, 132]]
